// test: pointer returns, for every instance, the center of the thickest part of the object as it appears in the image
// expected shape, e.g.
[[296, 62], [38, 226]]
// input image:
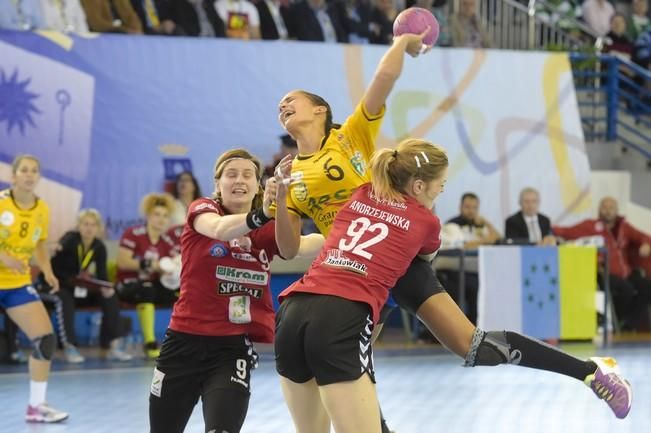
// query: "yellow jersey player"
[[24, 220]]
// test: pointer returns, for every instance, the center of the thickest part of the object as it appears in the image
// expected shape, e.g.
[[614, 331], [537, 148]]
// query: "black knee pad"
[[491, 348], [44, 347], [416, 286]]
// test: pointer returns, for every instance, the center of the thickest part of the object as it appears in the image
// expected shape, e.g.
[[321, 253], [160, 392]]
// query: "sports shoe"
[[610, 386], [72, 355], [44, 413], [118, 355], [151, 350], [18, 357]]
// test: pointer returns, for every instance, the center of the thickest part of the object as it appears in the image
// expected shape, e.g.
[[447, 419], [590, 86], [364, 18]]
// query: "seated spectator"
[[617, 41], [21, 15], [466, 28], [476, 231], [111, 16], [186, 190], [197, 18], [638, 22], [154, 16], [597, 15], [631, 292], [81, 255], [274, 15], [64, 16], [383, 14], [528, 224], [240, 17], [315, 20], [139, 272]]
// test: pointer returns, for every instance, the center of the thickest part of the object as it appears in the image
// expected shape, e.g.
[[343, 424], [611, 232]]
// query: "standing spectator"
[[139, 271], [528, 224], [638, 22], [274, 15], [81, 255], [597, 14], [240, 17], [476, 231], [111, 16], [196, 18], [382, 17], [186, 190], [24, 221], [617, 41], [315, 20], [631, 292], [64, 16], [21, 15], [466, 29]]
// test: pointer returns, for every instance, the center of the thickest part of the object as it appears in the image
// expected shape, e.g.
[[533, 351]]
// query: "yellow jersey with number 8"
[[20, 232], [326, 179]]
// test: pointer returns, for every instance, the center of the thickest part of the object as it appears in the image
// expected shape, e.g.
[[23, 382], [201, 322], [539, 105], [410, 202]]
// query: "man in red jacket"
[[631, 291]]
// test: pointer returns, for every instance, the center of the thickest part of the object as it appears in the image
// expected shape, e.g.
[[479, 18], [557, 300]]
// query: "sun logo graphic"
[[16, 102]]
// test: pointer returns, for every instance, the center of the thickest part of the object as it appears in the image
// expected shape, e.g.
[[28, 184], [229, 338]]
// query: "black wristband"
[[144, 264], [256, 219]]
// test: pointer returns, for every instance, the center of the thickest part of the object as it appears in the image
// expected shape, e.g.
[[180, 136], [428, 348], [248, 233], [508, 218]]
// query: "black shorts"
[[416, 285], [323, 337], [217, 369]]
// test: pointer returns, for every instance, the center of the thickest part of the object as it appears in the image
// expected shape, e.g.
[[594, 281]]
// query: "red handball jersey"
[[370, 245], [135, 238], [225, 285]]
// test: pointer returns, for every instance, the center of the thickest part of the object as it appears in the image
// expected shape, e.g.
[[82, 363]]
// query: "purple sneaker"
[[610, 386], [44, 413]]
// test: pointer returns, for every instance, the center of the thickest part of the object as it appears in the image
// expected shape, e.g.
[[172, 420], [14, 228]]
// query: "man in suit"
[[528, 224]]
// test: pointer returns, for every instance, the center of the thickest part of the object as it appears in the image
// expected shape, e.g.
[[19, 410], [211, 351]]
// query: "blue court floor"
[[420, 391]]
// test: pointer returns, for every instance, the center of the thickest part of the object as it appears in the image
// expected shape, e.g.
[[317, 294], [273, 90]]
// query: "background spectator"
[[186, 190], [466, 28], [617, 41], [638, 22], [197, 18], [597, 15], [314, 20], [154, 16], [274, 16], [528, 224], [631, 292], [111, 16], [23, 15], [82, 255], [139, 272], [240, 17], [63, 16], [287, 147], [383, 13]]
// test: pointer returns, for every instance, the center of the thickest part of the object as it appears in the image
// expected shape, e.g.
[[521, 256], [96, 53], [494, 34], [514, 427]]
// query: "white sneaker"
[[44, 413], [72, 355], [118, 355]]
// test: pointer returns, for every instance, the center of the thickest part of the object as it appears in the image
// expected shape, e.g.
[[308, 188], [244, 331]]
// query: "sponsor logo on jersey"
[[337, 259], [7, 218], [4, 233], [244, 256], [37, 234], [391, 203], [128, 243], [316, 203], [203, 206], [358, 163], [218, 250], [228, 288], [300, 191], [244, 276]]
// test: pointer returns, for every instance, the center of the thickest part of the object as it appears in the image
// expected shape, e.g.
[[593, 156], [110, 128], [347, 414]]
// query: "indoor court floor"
[[421, 390]]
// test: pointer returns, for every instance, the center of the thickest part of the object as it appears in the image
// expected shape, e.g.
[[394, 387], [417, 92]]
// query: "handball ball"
[[415, 20]]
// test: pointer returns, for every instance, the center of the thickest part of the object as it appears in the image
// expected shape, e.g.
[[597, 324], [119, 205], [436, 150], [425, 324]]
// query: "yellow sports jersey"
[[330, 175], [20, 231]]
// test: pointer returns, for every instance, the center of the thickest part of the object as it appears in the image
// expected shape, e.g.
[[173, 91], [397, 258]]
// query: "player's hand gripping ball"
[[415, 21]]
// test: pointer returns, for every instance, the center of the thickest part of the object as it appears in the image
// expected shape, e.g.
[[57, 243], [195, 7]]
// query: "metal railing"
[[535, 25], [614, 97]]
